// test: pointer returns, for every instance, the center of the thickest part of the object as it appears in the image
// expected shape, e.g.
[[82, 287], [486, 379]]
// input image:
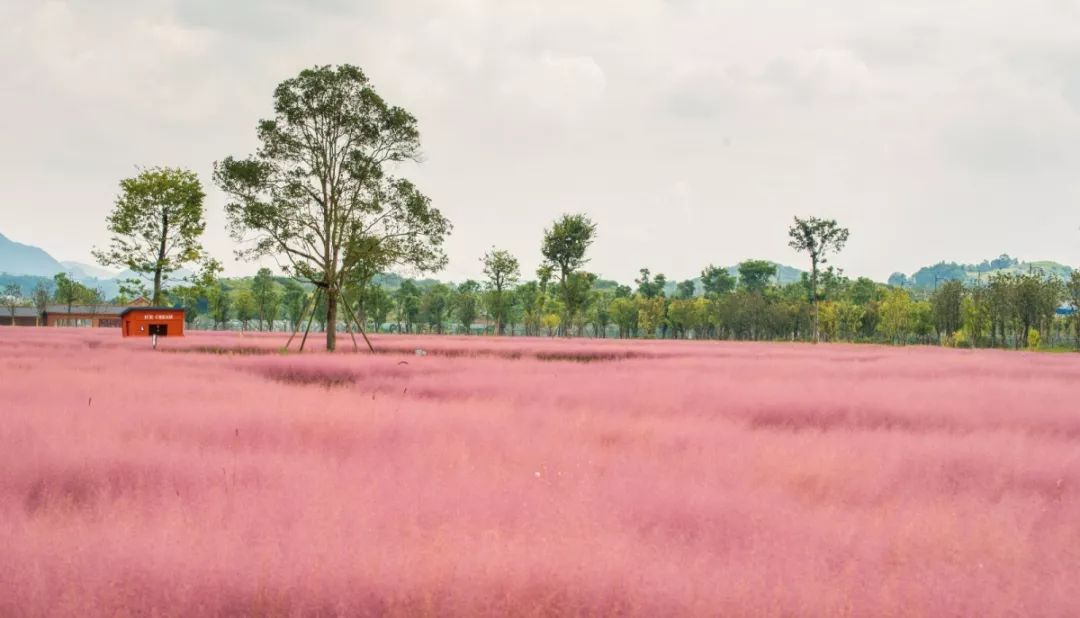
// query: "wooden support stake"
[[360, 327], [348, 325], [303, 312], [314, 308]]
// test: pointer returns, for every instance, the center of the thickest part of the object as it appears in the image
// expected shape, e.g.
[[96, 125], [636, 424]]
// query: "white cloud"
[[691, 130], [564, 85]]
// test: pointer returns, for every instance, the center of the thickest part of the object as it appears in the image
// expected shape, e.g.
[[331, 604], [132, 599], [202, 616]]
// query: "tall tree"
[[502, 270], [319, 191], [156, 225], [817, 238], [564, 247]]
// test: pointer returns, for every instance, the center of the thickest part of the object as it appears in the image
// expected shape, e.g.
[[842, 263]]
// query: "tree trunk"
[[331, 319], [161, 259]]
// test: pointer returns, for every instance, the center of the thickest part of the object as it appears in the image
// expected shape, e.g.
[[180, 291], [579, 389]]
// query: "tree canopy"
[[155, 225], [320, 191], [817, 238]]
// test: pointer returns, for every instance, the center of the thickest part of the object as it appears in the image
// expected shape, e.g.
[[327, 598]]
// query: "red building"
[[93, 316], [147, 321], [24, 316]]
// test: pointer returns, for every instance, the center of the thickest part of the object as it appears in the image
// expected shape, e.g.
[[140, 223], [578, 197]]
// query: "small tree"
[[466, 302], [435, 306], [624, 313], [650, 315], [530, 298], [575, 295], [685, 290], [817, 238], [755, 275], [94, 299], [947, 304], [13, 299], [246, 307], [293, 301], [1072, 291], [649, 286], [407, 299], [896, 315], [41, 300], [220, 305], [564, 247], [976, 316], [716, 281], [264, 291], [68, 291], [502, 270], [156, 225], [380, 305], [600, 313]]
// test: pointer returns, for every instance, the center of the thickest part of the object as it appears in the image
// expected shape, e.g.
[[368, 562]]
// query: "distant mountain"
[[784, 275], [78, 270], [928, 277], [174, 277], [19, 259]]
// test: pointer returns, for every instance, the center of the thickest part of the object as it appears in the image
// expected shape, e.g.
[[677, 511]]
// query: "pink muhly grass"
[[500, 476]]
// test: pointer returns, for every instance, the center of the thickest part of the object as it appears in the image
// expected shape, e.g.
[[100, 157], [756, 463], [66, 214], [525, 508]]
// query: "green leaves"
[[319, 191], [817, 237], [566, 242], [755, 275], [156, 224], [502, 270], [716, 281]]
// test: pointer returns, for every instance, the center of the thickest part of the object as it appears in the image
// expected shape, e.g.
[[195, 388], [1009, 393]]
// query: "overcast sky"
[[690, 131]]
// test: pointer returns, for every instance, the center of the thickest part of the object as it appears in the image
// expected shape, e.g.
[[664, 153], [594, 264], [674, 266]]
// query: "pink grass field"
[[215, 476]]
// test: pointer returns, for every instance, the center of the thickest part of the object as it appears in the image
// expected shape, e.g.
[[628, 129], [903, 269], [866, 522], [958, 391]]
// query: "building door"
[[161, 330]]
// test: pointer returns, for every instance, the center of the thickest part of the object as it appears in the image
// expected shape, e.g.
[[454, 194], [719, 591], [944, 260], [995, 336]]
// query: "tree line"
[[323, 196]]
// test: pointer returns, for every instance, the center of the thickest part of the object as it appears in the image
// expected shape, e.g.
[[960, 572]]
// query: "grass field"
[[215, 476]]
